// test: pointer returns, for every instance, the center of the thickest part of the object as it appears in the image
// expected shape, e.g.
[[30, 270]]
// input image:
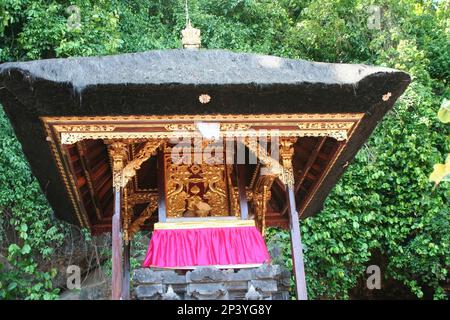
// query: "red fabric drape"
[[182, 248]]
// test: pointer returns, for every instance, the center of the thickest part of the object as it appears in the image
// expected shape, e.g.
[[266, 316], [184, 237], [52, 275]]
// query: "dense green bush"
[[383, 203]]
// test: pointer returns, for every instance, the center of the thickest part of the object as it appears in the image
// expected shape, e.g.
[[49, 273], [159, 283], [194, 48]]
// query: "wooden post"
[[287, 153], [116, 248], [126, 272], [162, 215], [242, 192], [296, 247]]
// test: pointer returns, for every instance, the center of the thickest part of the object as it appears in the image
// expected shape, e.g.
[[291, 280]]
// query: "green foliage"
[[26, 224], [384, 201]]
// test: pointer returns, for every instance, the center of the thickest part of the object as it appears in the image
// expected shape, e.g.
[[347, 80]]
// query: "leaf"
[[12, 286], [26, 249], [441, 172], [13, 248], [23, 227], [444, 111]]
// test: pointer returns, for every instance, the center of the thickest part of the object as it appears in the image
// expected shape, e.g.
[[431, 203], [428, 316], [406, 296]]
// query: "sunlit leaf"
[[441, 172], [444, 111]]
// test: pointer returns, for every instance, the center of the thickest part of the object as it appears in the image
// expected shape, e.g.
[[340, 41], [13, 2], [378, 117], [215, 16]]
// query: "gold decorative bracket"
[[118, 152], [123, 171], [274, 166], [149, 149], [144, 216], [286, 154]]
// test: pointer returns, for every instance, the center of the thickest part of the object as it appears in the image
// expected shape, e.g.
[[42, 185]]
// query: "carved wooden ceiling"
[[91, 167], [80, 149]]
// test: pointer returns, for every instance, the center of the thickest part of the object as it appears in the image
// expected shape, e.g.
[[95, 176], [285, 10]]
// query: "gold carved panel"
[[197, 190]]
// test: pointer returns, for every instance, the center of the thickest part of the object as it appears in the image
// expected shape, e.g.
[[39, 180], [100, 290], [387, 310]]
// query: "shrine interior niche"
[[198, 190]]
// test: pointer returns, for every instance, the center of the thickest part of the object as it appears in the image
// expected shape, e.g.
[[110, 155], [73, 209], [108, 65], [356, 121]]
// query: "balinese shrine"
[[205, 148]]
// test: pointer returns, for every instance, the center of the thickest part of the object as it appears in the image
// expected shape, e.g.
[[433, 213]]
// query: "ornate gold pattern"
[[184, 183], [148, 150], [168, 127], [144, 216], [269, 163], [316, 125], [68, 183], [118, 152], [137, 198], [179, 126], [74, 137], [56, 127], [214, 176], [234, 126], [176, 196], [85, 128], [286, 153], [127, 212], [262, 155], [192, 126]]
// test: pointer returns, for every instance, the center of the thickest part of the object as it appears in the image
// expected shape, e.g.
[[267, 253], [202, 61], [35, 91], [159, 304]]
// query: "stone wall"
[[268, 282]]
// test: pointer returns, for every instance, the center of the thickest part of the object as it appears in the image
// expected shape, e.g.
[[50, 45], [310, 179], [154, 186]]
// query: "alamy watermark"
[[74, 19], [73, 273], [374, 279], [374, 18]]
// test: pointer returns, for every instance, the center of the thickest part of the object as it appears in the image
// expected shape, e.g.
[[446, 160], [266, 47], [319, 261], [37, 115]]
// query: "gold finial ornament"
[[191, 37]]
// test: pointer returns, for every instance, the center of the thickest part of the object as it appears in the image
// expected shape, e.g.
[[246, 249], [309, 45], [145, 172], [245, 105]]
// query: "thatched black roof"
[[170, 81]]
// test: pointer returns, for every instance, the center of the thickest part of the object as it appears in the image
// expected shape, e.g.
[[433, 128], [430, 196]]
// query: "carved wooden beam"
[[262, 155], [144, 216], [270, 163], [140, 197], [123, 172], [149, 149]]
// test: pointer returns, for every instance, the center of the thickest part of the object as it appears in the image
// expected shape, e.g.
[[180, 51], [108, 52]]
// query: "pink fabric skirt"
[[185, 248]]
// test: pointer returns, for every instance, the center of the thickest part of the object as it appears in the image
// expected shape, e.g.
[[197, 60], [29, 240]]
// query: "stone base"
[[267, 282]]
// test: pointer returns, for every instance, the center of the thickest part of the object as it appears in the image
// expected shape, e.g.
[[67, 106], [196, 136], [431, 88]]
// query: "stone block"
[[171, 277], [236, 295], [205, 275], [236, 285], [285, 272], [207, 291], [267, 271], [179, 288], [146, 275], [170, 294], [149, 291], [241, 275], [265, 285], [268, 281], [253, 294]]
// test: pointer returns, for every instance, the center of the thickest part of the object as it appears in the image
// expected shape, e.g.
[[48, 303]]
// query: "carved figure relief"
[[196, 190]]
